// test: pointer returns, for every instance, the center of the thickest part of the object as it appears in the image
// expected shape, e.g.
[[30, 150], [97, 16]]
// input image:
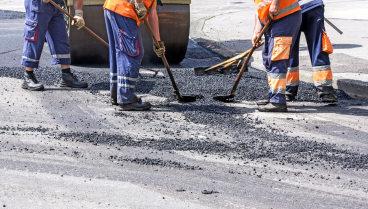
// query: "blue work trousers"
[[312, 26], [280, 38], [126, 54], [44, 21]]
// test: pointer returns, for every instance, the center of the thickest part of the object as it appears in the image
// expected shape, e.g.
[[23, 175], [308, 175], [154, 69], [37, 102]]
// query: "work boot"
[[135, 106], [273, 107], [31, 83], [263, 102], [114, 101], [289, 97], [70, 80], [329, 98]]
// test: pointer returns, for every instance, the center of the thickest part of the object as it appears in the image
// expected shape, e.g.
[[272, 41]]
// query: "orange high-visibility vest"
[[126, 8], [287, 7]]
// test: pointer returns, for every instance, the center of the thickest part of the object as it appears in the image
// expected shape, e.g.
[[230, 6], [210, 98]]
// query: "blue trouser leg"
[[292, 77], [112, 51], [129, 52], [280, 38], [44, 21], [58, 40], [313, 24]]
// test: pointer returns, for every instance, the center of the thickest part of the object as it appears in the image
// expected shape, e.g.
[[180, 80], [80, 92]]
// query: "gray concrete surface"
[[229, 34], [69, 148]]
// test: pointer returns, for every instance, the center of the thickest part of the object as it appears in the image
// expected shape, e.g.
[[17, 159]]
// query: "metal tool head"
[[186, 98], [227, 98]]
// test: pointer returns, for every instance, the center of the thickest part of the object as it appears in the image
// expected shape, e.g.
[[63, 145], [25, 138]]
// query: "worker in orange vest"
[[280, 38], [123, 18]]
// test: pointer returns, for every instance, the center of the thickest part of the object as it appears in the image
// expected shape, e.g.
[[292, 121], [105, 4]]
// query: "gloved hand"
[[141, 10], [159, 51], [46, 1], [79, 17]]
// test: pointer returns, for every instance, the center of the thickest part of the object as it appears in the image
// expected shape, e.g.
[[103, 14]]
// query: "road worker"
[[123, 19], [44, 21], [314, 31], [280, 38]]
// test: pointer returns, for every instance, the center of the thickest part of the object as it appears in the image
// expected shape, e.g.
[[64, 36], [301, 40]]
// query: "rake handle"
[[245, 64], [163, 57], [84, 27]]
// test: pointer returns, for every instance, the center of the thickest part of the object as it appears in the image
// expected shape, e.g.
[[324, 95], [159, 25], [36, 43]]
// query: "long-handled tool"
[[227, 64], [244, 67], [84, 27], [333, 26], [176, 90]]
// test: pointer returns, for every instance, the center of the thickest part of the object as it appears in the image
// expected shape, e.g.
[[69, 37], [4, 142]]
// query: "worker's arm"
[[78, 16], [275, 8], [78, 4], [257, 30], [153, 21]]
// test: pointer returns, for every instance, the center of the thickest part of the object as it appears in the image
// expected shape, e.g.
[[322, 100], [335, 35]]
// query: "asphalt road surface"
[[69, 148]]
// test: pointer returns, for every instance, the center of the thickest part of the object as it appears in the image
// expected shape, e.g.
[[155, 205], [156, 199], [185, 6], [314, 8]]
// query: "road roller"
[[174, 23]]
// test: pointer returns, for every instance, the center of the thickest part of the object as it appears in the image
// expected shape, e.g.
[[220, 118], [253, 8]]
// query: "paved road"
[[69, 148]]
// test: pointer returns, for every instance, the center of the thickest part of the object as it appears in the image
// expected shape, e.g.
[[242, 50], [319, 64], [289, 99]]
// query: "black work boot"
[[329, 98], [114, 100], [31, 83], [70, 80], [289, 97], [327, 94], [263, 102], [135, 106], [273, 107]]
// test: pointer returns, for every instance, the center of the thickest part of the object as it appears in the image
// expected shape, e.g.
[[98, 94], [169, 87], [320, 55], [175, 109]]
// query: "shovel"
[[176, 90], [244, 67], [84, 27]]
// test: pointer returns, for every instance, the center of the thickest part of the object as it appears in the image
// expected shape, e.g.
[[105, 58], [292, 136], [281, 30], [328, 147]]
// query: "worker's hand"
[[274, 9], [79, 19], [46, 1], [159, 51], [254, 39], [141, 10]]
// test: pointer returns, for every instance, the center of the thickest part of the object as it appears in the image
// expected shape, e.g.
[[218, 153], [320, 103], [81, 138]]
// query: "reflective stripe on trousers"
[[277, 82], [292, 77], [322, 75]]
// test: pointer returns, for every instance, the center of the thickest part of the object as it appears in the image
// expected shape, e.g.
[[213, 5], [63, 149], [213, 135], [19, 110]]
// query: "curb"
[[354, 88]]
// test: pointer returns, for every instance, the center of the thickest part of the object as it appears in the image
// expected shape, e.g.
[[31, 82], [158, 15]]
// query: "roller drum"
[[174, 21]]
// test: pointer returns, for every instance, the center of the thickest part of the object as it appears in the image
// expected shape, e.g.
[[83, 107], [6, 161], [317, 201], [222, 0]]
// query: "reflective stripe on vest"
[[287, 7], [126, 8]]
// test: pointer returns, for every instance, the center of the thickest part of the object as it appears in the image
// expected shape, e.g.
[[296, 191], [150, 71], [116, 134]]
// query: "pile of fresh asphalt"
[[249, 140]]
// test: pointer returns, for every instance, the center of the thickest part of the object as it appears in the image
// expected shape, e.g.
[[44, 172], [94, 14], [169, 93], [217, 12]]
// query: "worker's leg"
[[113, 66], [280, 39], [129, 54], [36, 24], [322, 74], [58, 41], [292, 76]]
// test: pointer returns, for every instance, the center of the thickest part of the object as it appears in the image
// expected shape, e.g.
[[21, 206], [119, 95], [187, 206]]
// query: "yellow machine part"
[[101, 2]]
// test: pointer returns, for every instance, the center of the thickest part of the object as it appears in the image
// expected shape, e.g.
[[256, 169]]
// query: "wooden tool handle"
[[71, 17], [163, 56], [248, 58], [240, 56]]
